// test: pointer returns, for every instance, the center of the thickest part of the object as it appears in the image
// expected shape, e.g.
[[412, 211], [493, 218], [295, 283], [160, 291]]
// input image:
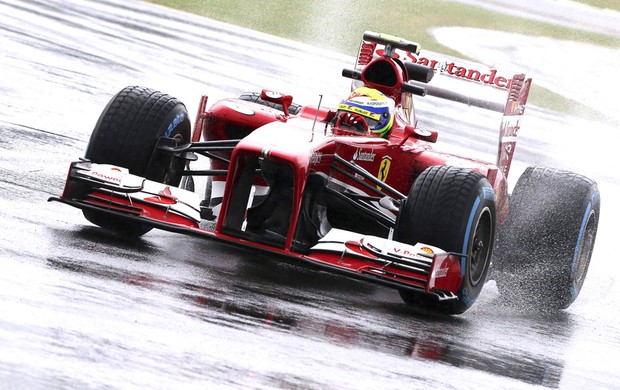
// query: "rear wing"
[[462, 81]]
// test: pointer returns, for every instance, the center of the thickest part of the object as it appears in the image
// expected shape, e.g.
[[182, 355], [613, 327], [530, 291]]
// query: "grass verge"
[[338, 25]]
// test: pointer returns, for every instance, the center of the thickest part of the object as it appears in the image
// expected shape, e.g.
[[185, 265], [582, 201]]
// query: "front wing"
[[114, 191]]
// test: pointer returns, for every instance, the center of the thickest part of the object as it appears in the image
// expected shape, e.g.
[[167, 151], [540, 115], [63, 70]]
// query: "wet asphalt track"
[[80, 308]]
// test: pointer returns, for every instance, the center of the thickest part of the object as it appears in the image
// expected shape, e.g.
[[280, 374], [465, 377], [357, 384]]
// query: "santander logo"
[[441, 64], [463, 72], [361, 155]]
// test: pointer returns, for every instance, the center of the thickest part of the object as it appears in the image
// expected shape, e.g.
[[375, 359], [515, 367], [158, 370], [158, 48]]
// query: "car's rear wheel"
[[545, 246], [126, 135], [453, 209]]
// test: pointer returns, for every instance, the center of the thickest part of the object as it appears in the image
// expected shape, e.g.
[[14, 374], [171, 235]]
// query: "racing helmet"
[[376, 109]]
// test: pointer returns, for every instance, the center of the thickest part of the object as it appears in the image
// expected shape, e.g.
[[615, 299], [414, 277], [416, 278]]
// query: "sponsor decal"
[[315, 158], [475, 75], [488, 194], [446, 66], [452, 69], [511, 122], [384, 169], [441, 272], [509, 128], [518, 96], [361, 155], [175, 122], [357, 110], [407, 252], [105, 177], [404, 252], [365, 53], [164, 197]]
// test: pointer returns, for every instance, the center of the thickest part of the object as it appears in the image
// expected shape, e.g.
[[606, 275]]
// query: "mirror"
[[278, 98], [421, 134]]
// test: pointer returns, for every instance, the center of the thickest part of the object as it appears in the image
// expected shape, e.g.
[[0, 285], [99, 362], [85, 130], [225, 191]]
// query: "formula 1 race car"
[[355, 189]]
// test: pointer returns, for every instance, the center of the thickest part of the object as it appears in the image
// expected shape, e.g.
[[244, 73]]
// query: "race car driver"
[[366, 110]]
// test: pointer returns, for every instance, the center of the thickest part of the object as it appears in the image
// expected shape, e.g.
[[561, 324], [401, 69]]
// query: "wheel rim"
[[480, 247], [585, 251]]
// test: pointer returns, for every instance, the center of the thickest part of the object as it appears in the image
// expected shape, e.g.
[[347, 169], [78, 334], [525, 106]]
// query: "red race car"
[[355, 189]]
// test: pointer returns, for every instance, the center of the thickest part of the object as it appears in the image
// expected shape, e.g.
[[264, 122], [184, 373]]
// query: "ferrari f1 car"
[[308, 183]]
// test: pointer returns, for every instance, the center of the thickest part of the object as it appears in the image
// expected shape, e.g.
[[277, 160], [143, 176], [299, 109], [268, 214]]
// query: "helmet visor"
[[371, 118]]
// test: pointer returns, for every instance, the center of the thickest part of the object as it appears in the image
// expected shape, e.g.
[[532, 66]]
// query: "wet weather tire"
[[453, 209], [545, 246], [126, 135]]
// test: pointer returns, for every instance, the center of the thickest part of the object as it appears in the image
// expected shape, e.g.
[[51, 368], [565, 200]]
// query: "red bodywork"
[[289, 151]]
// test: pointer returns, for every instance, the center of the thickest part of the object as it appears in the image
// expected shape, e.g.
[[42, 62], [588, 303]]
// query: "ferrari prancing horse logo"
[[384, 169]]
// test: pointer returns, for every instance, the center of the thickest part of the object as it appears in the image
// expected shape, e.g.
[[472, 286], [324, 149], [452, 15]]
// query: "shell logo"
[[427, 250]]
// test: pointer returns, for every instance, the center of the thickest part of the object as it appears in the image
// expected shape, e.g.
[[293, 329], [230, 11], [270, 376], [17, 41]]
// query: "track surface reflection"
[[82, 308]]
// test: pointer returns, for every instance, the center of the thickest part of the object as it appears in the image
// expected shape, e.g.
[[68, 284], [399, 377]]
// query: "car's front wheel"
[[453, 209], [126, 135]]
